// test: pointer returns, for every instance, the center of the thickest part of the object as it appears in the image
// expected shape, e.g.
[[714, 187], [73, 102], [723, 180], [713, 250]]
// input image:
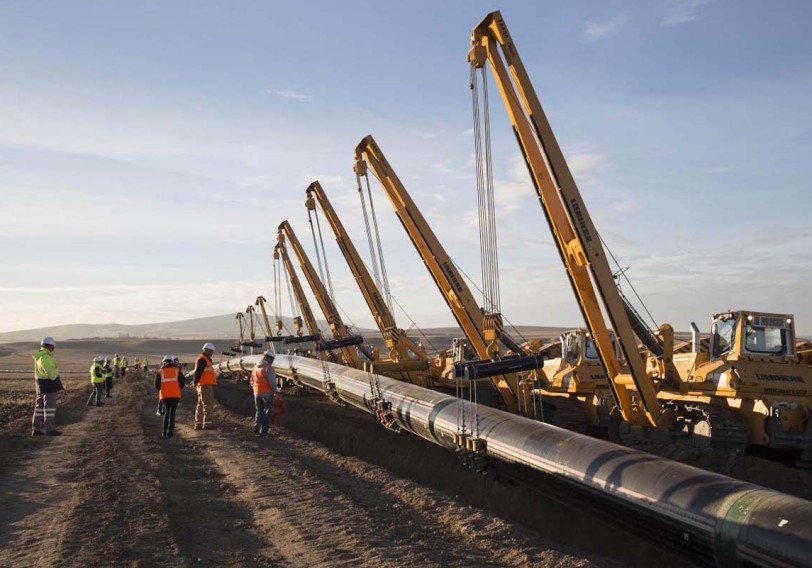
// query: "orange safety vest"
[[208, 377], [170, 386], [259, 381]]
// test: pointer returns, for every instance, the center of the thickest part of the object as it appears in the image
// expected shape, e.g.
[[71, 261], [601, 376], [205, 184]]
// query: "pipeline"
[[716, 519]]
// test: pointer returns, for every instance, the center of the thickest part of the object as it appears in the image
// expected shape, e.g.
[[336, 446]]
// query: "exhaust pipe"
[[694, 338], [718, 519]]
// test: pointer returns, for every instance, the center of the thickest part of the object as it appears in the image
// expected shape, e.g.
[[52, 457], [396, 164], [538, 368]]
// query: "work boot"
[[170, 434], [36, 432], [100, 403], [163, 434], [256, 430], [108, 395], [198, 426], [53, 433]]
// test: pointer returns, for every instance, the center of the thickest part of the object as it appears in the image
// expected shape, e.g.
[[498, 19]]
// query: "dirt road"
[[112, 492]]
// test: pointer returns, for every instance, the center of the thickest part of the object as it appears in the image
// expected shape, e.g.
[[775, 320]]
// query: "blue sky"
[[148, 150]]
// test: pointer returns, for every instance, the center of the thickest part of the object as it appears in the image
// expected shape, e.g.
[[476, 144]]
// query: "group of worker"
[[169, 382], [102, 372]]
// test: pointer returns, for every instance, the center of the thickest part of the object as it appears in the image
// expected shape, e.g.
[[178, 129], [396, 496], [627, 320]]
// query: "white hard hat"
[[208, 346], [99, 359], [175, 358], [270, 354], [167, 359], [48, 340]]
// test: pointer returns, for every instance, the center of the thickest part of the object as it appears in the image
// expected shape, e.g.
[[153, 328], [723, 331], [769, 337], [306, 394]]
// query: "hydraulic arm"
[[577, 240], [344, 340], [405, 356], [448, 279]]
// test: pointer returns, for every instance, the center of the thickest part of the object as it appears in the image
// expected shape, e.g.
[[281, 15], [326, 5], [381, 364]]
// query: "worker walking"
[[116, 366], [169, 381], [97, 376], [137, 363], [145, 365], [108, 377], [46, 375], [123, 366], [204, 380], [265, 385]]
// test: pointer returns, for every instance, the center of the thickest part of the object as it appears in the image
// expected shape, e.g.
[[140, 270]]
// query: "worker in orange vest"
[[204, 380], [265, 385], [168, 382]]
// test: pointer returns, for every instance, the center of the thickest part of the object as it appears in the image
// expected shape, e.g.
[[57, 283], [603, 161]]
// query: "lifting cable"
[[381, 276], [278, 274], [622, 273], [474, 284], [489, 257], [320, 252], [295, 308]]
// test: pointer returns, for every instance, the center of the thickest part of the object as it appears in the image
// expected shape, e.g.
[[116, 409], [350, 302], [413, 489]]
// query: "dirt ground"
[[330, 488], [111, 491]]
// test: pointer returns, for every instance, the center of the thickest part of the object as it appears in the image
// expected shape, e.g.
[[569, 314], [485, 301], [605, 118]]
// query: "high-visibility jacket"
[[259, 379], [116, 362], [170, 386], [44, 366], [97, 373], [123, 363], [108, 372], [208, 377]]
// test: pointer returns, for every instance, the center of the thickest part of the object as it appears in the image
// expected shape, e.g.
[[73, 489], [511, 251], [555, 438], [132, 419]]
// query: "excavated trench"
[[514, 493]]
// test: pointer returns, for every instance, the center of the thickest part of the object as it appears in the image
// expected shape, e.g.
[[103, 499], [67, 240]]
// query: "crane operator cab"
[[752, 335], [579, 364]]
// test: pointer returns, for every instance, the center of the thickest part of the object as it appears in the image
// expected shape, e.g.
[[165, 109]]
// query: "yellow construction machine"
[[749, 387], [407, 360], [343, 340]]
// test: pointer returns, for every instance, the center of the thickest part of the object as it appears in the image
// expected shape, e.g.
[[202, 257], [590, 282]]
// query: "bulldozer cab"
[[578, 347], [752, 335]]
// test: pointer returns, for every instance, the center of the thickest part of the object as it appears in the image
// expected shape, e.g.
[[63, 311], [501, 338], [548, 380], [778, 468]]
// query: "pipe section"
[[720, 520]]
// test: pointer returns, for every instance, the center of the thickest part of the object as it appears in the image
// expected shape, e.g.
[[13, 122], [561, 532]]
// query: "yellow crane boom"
[[575, 235], [339, 329], [408, 359], [448, 279]]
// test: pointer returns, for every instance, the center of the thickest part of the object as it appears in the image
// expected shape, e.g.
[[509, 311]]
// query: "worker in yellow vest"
[[97, 382], [46, 375], [169, 381], [265, 385], [123, 365], [204, 380], [108, 377], [116, 365], [145, 365]]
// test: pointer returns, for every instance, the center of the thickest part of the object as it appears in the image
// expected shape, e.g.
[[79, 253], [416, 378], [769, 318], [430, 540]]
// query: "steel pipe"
[[722, 520]]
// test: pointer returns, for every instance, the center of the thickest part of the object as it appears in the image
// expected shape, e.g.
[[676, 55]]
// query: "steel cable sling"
[[381, 276], [321, 252]]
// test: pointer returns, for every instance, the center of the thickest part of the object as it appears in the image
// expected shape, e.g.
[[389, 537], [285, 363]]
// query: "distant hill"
[[222, 326]]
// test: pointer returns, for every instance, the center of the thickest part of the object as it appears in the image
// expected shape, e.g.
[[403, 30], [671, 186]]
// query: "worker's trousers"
[[171, 405], [204, 412], [96, 394], [117, 372], [45, 413], [108, 385], [264, 407]]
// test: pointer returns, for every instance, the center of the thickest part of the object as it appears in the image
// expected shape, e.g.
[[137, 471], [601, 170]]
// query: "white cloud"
[[326, 180], [586, 166], [290, 94], [445, 167], [594, 31], [682, 11], [625, 206]]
